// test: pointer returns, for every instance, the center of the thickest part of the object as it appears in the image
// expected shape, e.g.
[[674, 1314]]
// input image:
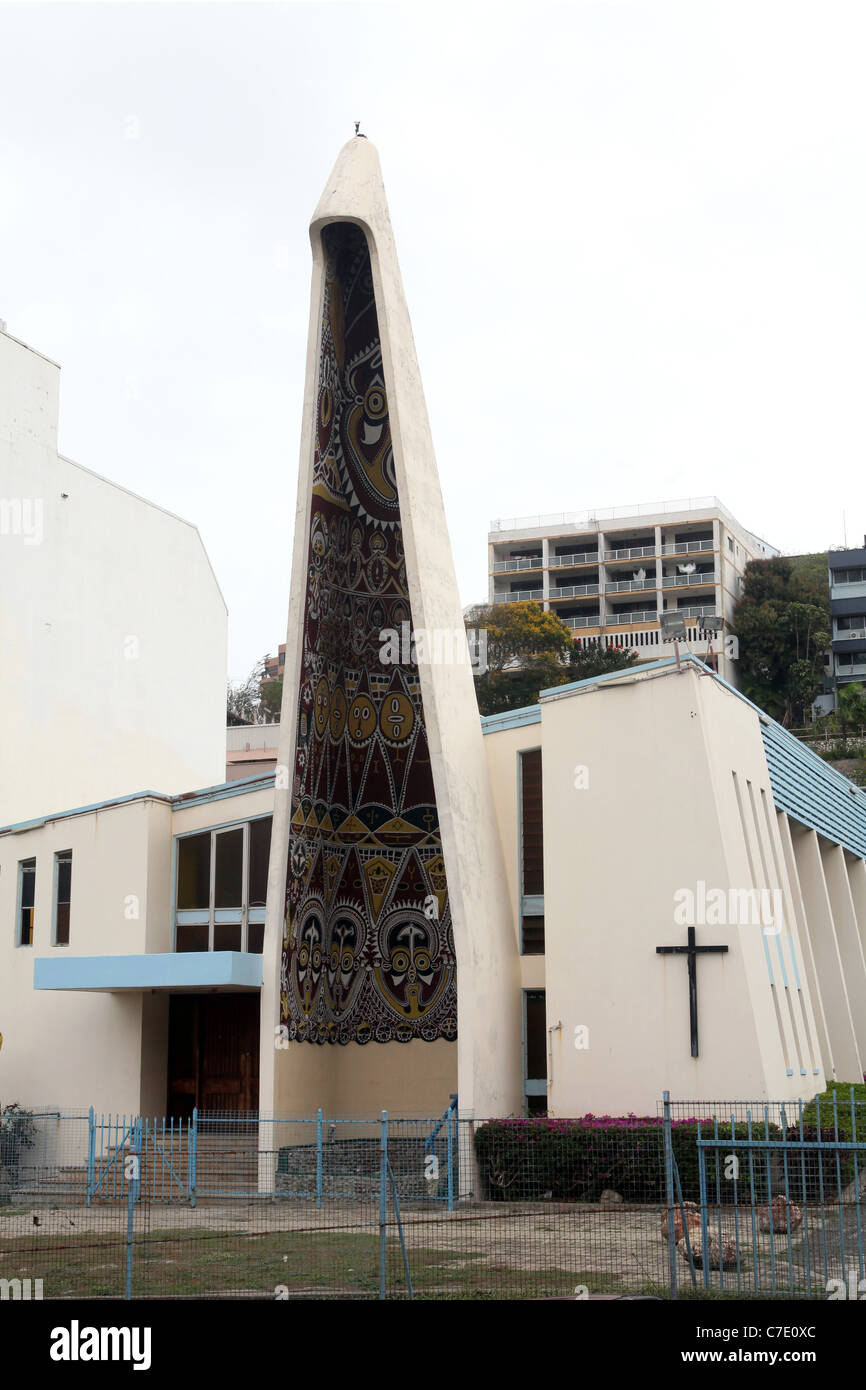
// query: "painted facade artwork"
[[368, 950]]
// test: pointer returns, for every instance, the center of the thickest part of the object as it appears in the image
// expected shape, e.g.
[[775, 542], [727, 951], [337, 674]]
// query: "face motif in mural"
[[365, 959]]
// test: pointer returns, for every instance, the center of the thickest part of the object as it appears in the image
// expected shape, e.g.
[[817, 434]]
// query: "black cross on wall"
[[692, 951]]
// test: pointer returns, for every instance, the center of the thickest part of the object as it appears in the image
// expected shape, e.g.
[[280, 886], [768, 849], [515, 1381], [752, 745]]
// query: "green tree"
[[782, 623], [851, 708], [527, 651], [272, 698], [594, 659]]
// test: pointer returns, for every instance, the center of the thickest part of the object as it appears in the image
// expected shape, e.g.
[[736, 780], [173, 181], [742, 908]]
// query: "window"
[[222, 885], [62, 896], [535, 1051], [531, 854], [730, 545], [849, 576], [26, 900]]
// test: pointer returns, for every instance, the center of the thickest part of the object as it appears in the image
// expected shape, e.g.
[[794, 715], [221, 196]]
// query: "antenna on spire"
[[358, 131]]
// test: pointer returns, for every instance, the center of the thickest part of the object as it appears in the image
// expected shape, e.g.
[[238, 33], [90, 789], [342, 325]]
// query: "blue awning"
[[190, 970]]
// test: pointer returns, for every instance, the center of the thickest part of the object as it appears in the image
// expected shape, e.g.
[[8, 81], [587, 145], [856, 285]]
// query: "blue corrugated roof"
[[812, 792], [807, 788]]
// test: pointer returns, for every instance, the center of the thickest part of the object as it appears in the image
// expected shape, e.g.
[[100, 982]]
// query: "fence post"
[[319, 1157], [383, 1202], [192, 1141], [450, 1134], [91, 1156], [134, 1176], [669, 1192]]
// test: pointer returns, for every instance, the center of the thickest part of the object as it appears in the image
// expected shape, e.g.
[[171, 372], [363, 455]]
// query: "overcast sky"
[[632, 235]]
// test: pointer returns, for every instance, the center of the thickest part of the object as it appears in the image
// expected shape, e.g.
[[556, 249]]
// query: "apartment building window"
[[62, 897], [26, 900], [531, 854], [849, 576], [222, 884]]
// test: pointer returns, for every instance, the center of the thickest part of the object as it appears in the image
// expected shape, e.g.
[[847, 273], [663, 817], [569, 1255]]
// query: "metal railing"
[[676, 581], [624, 585], [687, 547], [573, 590], [634, 552], [508, 566], [520, 596], [589, 621]]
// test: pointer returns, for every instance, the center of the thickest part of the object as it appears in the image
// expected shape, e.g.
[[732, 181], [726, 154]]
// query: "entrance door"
[[535, 1051], [213, 1053]]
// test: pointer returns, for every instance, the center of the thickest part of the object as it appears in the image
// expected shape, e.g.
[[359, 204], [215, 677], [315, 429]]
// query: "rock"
[[726, 1258], [781, 1216], [687, 1215], [609, 1198]]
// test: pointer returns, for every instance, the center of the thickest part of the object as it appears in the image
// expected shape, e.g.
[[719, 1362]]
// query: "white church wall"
[[782, 1006], [105, 601], [74, 1049], [609, 899]]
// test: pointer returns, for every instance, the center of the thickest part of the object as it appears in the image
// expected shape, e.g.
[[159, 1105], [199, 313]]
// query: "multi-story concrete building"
[[609, 575], [848, 612]]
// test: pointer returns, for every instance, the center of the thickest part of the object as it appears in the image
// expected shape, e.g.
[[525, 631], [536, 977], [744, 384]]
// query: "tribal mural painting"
[[368, 948]]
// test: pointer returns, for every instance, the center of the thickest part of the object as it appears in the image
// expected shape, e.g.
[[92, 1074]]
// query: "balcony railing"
[[520, 596], [509, 566], [709, 612], [850, 633], [595, 621], [687, 547], [677, 581], [624, 585], [853, 668], [637, 552], [573, 590], [587, 557], [617, 619]]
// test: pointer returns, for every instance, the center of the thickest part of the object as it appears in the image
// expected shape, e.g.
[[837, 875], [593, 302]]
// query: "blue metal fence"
[[779, 1204]]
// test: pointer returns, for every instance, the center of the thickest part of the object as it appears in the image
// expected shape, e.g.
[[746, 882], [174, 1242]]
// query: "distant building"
[[847, 573], [276, 665], [251, 750], [609, 575]]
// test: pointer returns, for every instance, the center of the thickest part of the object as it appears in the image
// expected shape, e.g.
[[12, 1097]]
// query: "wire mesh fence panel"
[[706, 1199], [771, 1196]]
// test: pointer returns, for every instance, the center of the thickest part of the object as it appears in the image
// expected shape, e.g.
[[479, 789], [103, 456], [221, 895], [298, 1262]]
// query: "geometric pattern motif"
[[368, 948]]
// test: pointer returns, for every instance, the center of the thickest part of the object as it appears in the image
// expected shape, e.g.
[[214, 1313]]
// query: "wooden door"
[[213, 1053]]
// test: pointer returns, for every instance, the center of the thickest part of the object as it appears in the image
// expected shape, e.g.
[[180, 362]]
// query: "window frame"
[[24, 864], [63, 855], [243, 916], [529, 904]]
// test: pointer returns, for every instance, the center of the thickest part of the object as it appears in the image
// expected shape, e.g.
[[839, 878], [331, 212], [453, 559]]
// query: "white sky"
[[632, 235]]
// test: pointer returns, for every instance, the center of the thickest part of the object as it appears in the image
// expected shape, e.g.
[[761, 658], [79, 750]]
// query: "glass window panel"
[[228, 879], [192, 938], [256, 938], [260, 848], [193, 872], [226, 936]]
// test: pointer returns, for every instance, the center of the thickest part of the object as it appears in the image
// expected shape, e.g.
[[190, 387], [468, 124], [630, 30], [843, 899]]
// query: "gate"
[[158, 1156], [777, 1198]]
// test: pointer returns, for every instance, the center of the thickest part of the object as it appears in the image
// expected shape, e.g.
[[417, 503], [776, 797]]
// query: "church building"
[[642, 883]]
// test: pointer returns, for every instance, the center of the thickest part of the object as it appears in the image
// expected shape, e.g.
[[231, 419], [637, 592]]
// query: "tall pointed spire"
[[394, 917]]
